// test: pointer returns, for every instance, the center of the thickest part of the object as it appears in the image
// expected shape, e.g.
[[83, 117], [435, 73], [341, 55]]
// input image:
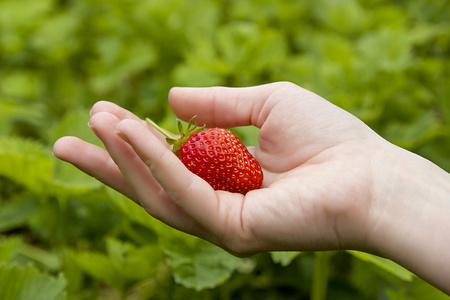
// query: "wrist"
[[410, 218]]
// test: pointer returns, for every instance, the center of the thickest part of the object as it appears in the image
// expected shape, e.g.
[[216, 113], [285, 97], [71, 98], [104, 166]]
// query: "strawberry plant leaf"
[[14, 251], [26, 162], [16, 211], [30, 284], [45, 259], [284, 258], [98, 265], [122, 265], [418, 289], [8, 248], [384, 264], [31, 164], [196, 263]]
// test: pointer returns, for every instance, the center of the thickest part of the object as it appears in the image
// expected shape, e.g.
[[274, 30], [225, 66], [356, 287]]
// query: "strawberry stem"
[[170, 139], [184, 135]]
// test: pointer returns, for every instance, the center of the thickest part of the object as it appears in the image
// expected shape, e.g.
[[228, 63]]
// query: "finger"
[[148, 191], [103, 124], [121, 114], [194, 195], [225, 107], [94, 161], [114, 109]]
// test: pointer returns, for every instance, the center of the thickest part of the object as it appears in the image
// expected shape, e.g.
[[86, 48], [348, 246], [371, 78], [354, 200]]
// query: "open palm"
[[317, 161]]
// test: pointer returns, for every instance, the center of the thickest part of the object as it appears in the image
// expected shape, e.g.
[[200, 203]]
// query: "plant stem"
[[159, 129], [320, 275]]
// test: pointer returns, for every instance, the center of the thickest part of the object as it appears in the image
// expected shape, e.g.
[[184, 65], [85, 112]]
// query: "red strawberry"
[[217, 156]]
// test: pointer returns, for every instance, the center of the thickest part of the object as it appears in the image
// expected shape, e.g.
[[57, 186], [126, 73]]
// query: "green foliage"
[[197, 264], [122, 265], [385, 264], [29, 284], [284, 258], [26, 282], [63, 233], [25, 162]]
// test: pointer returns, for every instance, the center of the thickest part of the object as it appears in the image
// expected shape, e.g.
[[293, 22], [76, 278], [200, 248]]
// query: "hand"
[[317, 161], [328, 178]]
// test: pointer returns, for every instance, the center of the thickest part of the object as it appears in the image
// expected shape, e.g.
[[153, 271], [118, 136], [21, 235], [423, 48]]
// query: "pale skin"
[[330, 182]]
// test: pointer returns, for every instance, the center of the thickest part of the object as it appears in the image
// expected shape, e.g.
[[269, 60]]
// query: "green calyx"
[[184, 135]]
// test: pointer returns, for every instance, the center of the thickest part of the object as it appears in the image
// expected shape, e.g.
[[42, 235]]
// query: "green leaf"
[[15, 212], [419, 289], [284, 258], [8, 248], [369, 279], [122, 265], [26, 162], [98, 266], [13, 111], [42, 257], [31, 164], [385, 264], [142, 262], [14, 251], [29, 284], [196, 263]]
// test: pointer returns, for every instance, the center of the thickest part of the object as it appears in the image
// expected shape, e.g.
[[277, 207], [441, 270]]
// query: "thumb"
[[222, 106]]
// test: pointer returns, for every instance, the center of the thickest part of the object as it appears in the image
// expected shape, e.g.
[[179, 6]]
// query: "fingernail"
[[90, 125], [119, 133]]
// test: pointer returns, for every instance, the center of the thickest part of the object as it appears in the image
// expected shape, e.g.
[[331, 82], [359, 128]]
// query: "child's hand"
[[330, 182]]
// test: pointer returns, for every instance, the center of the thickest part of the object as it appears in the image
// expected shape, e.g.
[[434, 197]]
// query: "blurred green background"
[[65, 236]]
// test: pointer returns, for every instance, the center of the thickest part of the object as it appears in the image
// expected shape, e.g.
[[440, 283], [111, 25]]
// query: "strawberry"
[[217, 156]]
